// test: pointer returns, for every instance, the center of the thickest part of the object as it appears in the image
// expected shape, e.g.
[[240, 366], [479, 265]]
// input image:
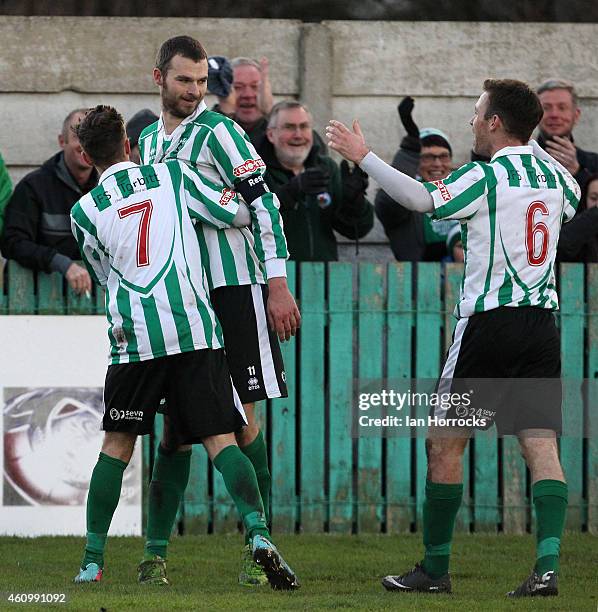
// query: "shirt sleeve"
[[206, 205], [93, 253], [238, 162], [571, 194], [459, 195]]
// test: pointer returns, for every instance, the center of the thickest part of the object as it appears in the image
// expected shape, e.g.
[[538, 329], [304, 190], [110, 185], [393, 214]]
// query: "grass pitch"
[[336, 572]]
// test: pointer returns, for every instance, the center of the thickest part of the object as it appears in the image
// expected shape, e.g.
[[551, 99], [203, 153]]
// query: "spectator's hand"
[[563, 150], [350, 144], [355, 182], [265, 101], [78, 279], [313, 181], [405, 109], [283, 314]]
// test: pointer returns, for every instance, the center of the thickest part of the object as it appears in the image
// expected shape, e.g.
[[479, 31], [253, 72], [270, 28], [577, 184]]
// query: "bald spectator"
[[136, 124], [561, 113], [37, 229]]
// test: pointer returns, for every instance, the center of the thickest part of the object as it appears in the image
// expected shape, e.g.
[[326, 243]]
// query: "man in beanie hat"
[[427, 155], [136, 124]]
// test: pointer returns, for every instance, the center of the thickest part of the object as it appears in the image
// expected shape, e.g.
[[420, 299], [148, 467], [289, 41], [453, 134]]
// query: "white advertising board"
[[52, 371]]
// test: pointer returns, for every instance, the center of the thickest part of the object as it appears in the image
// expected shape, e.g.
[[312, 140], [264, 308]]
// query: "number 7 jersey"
[[511, 211], [136, 237]]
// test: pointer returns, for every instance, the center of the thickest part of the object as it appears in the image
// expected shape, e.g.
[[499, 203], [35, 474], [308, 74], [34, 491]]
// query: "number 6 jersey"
[[136, 237], [511, 211]]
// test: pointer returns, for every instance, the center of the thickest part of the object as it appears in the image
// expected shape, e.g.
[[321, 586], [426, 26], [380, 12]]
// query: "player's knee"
[[119, 445], [247, 435]]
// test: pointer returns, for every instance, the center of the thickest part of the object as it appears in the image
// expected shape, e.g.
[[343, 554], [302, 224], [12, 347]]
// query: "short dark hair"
[[102, 134], [179, 45], [516, 104]]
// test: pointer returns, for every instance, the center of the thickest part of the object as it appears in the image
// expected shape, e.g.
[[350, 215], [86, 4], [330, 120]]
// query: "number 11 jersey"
[[511, 211]]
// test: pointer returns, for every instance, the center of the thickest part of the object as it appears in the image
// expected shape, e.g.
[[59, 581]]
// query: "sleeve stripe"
[[463, 200]]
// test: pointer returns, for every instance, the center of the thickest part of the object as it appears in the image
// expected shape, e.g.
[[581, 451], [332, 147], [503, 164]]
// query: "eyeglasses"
[[293, 127], [428, 158]]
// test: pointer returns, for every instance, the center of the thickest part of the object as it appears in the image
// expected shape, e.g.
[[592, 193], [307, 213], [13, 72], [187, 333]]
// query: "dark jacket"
[[588, 162], [307, 226], [37, 227], [578, 241]]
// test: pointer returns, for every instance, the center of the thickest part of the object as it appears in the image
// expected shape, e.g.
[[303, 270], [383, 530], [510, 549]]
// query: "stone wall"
[[341, 69]]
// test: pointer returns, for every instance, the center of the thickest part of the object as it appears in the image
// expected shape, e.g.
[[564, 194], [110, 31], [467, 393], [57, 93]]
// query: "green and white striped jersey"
[[222, 154], [136, 236], [511, 211]]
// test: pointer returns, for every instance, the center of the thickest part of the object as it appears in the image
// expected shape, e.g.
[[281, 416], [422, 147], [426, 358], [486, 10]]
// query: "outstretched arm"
[[351, 145]]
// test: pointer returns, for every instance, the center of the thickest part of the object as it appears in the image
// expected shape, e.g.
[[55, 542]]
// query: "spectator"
[[561, 113], [579, 238], [37, 230], [426, 155], [5, 191], [220, 84], [136, 124], [251, 83], [315, 196]]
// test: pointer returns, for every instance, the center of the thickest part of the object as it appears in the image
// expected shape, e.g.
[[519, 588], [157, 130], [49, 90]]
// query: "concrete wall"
[[342, 69]]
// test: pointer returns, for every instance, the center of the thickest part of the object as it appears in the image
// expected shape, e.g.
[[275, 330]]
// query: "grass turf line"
[[336, 572]]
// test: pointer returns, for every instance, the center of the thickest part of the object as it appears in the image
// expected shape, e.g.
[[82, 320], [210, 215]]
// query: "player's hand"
[[563, 150], [78, 278], [283, 314], [350, 144]]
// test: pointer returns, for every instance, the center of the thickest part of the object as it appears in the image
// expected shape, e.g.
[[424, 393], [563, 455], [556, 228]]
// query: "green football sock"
[[550, 502], [104, 493], [169, 481], [241, 482], [256, 453], [440, 509]]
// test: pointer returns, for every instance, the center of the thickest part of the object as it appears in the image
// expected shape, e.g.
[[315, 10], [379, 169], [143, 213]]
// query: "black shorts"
[[508, 362], [200, 400], [252, 349]]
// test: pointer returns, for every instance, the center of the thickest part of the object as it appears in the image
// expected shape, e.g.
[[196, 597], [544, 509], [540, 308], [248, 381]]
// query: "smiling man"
[[425, 154], [315, 197], [560, 104], [510, 210], [245, 270]]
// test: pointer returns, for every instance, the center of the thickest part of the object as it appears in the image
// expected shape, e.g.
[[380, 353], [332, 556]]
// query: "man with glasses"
[[316, 197], [427, 155]]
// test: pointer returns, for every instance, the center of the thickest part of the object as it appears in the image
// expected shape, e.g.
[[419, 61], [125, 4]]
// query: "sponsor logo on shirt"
[[227, 196], [444, 192], [250, 166]]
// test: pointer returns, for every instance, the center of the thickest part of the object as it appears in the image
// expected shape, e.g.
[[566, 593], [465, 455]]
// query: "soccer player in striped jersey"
[[136, 237], [511, 210], [238, 262]]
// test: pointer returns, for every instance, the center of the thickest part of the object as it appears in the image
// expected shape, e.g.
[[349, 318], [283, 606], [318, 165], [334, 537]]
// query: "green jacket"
[[5, 191], [308, 227]]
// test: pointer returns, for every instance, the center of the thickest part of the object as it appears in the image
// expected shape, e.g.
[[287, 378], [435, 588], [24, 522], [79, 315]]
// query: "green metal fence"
[[373, 321]]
